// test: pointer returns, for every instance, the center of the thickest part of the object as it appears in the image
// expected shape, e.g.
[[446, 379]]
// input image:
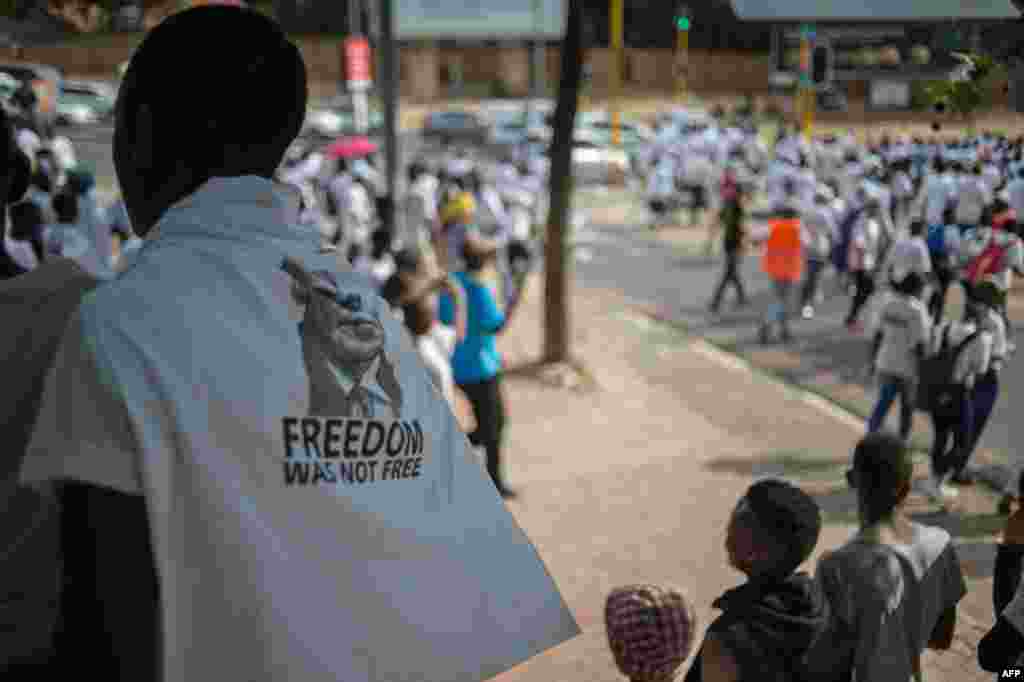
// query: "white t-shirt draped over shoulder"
[[224, 376]]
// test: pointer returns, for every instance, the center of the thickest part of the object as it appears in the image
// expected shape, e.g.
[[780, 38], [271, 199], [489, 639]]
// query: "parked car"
[[47, 81], [455, 126], [338, 117], [592, 162], [512, 127], [85, 102]]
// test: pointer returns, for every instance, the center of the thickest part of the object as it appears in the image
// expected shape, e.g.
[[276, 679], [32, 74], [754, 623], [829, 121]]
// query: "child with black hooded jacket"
[[769, 622]]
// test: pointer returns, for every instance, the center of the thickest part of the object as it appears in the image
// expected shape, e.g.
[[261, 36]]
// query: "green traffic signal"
[[683, 23]]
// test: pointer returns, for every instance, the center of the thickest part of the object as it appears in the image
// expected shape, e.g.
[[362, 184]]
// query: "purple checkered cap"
[[651, 629]]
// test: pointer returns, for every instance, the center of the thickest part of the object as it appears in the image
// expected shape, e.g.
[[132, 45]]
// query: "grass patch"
[[795, 464]]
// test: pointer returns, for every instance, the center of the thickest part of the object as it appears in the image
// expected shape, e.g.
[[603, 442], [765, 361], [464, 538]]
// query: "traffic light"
[[821, 64], [683, 18]]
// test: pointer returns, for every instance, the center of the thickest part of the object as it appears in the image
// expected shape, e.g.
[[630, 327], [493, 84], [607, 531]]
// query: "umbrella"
[[350, 148]]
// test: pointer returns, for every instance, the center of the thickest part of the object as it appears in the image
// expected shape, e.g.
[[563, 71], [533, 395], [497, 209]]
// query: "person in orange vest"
[[783, 262]]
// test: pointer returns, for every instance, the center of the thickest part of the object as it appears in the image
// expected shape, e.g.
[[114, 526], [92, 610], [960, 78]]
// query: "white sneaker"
[[808, 312]]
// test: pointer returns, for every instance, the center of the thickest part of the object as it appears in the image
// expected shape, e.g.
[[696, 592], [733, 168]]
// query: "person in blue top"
[[476, 363]]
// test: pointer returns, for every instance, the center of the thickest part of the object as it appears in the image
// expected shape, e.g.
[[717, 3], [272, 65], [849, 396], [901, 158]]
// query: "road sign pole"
[[617, 21]]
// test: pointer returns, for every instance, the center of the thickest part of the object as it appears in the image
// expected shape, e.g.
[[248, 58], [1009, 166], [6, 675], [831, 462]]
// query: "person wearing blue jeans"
[[986, 387], [891, 387], [903, 330]]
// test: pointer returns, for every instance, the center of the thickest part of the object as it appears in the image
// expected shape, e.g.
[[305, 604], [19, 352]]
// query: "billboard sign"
[[480, 19], [896, 52]]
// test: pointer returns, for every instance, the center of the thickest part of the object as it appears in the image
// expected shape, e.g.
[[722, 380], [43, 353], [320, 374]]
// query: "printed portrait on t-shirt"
[[343, 348]]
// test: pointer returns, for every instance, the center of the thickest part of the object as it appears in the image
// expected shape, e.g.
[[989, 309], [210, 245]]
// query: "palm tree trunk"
[[556, 312]]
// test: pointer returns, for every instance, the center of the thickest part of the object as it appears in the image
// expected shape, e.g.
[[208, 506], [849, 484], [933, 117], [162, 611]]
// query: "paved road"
[[679, 282]]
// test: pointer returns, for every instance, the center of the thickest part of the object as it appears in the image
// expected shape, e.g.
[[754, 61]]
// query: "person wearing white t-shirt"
[[974, 355], [210, 559], [937, 191], [992, 176], [909, 255], [973, 196], [894, 587], [822, 229], [862, 258], [987, 385], [902, 332], [1015, 193]]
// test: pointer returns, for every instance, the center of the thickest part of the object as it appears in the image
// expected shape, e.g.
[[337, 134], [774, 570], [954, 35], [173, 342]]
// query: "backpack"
[[988, 262], [938, 393], [841, 249]]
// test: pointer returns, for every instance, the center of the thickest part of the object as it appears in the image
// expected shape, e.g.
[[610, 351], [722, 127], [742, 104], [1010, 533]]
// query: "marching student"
[[901, 337]]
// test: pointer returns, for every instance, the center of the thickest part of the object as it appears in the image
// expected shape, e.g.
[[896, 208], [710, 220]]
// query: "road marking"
[[738, 364]]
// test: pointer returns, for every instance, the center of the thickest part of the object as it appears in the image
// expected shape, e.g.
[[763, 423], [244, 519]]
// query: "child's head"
[[881, 475], [651, 630], [773, 529]]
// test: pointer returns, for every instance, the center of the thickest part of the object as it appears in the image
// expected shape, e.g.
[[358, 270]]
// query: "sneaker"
[[808, 312]]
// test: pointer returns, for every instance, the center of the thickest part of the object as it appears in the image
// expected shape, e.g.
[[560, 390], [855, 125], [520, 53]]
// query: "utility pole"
[[389, 90]]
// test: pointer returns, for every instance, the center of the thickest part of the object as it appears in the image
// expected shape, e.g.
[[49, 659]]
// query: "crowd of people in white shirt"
[[63, 215]]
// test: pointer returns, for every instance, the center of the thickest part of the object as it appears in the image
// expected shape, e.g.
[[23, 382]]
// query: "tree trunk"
[[556, 256]]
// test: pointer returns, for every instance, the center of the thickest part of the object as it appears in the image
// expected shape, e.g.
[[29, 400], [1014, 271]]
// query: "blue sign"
[[479, 19]]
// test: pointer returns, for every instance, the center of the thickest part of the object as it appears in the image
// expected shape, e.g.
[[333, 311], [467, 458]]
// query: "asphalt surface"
[[678, 282]]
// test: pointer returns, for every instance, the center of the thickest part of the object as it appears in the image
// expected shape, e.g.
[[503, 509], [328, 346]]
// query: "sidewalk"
[[634, 481]]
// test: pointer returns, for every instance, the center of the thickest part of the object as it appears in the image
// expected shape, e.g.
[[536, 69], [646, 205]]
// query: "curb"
[[992, 474]]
